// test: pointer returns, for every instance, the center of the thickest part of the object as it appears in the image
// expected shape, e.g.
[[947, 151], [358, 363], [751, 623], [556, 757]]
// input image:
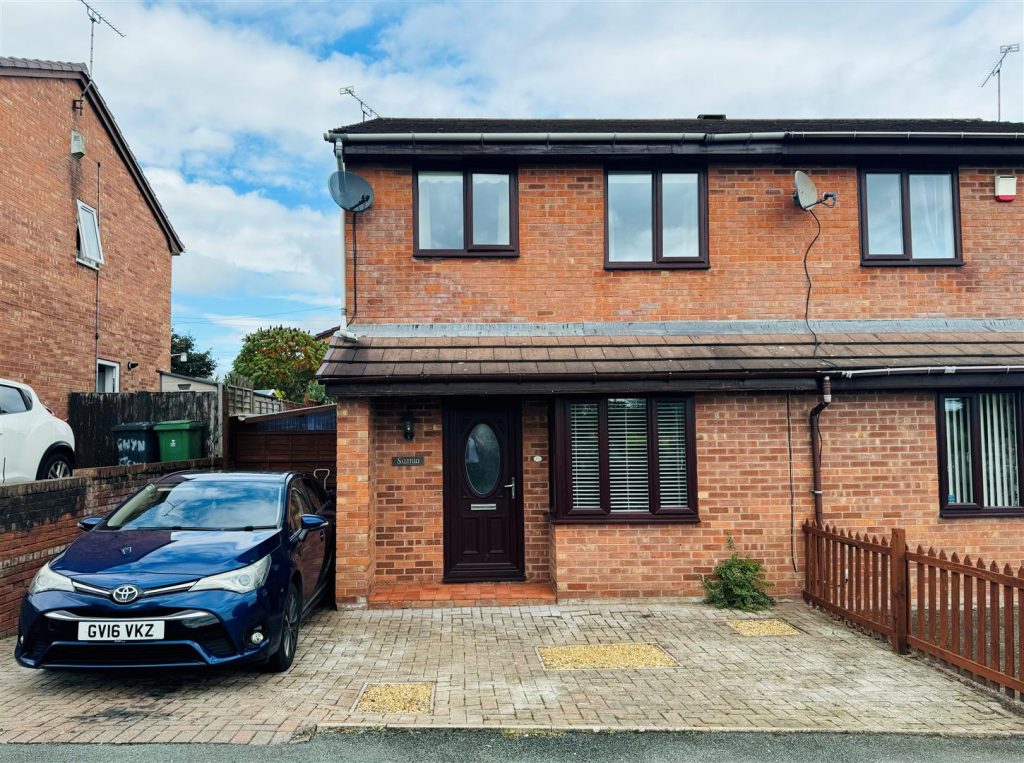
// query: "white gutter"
[[927, 370], [653, 137]]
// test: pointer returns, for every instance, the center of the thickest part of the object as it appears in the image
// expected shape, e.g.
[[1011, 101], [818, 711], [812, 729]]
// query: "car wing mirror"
[[311, 522], [88, 523]]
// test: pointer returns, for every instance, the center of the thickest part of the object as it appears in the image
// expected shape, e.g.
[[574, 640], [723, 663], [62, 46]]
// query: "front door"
[[483, 495]]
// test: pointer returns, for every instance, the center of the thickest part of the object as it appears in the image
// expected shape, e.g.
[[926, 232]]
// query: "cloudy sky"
[[225, 103]]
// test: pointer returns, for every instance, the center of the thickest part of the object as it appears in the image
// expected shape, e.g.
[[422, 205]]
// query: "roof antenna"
[[96, 17], [997, 72], [368, 112]]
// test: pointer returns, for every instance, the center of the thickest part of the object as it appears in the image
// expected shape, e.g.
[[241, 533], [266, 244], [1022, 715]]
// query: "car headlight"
[[48, 580], [240, 581]]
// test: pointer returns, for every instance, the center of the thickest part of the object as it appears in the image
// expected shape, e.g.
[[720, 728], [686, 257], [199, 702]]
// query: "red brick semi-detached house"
[[582, 354], [85, 248]]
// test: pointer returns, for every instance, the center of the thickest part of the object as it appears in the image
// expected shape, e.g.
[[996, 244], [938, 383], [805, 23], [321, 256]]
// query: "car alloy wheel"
[[58, 470], [290, 632]]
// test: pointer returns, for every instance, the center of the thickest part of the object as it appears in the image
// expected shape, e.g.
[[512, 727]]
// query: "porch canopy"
[[439, 359]]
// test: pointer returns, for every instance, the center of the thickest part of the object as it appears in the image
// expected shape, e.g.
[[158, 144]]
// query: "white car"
[[34, 444]]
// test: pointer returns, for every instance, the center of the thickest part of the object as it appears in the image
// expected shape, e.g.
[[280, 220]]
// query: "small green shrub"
[[738, 583]]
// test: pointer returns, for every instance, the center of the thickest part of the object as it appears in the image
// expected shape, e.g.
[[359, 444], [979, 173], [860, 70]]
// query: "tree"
[[281, 358], [198, 365]]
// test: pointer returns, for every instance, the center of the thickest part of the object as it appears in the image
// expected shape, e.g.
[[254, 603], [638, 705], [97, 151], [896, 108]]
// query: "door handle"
[[512, 485]]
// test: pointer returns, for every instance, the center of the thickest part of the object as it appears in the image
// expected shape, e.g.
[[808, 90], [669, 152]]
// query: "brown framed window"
[[655, 219], [909, 217], [625, 459], [980, 453], [465, 213]]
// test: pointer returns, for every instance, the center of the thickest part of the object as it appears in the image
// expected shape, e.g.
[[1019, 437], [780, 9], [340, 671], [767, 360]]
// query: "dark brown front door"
[[483, 496]]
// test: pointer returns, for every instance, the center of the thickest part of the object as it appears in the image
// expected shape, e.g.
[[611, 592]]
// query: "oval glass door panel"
[[483, 459]]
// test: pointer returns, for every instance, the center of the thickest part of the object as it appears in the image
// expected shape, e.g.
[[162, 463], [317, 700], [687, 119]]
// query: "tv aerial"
[[95, 17], [368, 111], [997, 72], [350, 191], [805, 195]]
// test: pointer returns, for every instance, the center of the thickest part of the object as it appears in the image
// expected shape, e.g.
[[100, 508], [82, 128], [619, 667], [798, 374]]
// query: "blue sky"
[[225, 104]]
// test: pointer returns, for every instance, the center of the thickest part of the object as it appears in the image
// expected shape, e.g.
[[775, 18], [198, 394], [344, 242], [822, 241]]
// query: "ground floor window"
[[980, 453], [625, 459], [108, 376]]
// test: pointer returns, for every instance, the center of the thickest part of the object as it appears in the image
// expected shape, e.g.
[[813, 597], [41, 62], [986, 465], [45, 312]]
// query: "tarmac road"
[[487, 746]]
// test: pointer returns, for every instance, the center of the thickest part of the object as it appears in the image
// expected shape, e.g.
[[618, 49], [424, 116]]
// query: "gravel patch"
[[395, 698], [605, 657], [763, 628]]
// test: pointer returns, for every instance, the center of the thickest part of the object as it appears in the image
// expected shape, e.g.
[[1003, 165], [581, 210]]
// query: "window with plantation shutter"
[[625, 459], [980, 453]]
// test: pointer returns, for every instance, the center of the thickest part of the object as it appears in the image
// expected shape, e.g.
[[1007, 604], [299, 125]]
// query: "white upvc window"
[[108, 376], [90, 251]]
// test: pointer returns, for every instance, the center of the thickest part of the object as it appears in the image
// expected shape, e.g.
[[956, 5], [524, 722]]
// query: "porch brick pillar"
[[355, 510]]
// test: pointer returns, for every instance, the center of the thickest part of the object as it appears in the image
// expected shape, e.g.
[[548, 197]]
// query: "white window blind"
[[628, 476], [672, 476], [586, 461], [958, 451], [999, 449]]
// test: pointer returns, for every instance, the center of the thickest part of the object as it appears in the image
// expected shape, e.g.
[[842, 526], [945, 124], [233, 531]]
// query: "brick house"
[[582, 354], [85, 248]]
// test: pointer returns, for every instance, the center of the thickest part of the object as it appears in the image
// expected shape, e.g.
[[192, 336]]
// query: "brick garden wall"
[[38, 520], [48, 300], [757, 240]]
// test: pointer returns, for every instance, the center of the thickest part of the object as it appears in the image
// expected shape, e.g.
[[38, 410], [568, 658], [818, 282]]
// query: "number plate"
[[121, 630]]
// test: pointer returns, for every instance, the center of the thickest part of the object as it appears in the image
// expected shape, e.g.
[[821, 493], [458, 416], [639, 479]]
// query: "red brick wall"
[[409, 501], [355, 516], [47, 300], [743, 491], [880, 471], [757, 240], [38, 520]]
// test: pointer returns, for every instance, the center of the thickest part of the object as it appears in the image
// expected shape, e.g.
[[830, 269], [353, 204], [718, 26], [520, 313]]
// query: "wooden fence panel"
[[93, 415], [842, 577]]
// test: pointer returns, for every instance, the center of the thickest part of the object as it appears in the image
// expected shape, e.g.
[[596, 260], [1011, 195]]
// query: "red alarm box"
[[1006, 187]]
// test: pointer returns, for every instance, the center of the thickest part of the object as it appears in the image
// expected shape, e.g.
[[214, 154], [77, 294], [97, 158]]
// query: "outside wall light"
[[408, 426]]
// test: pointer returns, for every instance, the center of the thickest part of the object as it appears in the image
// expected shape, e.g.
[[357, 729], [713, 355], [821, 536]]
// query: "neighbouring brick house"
[[583, 353], [85, 248]]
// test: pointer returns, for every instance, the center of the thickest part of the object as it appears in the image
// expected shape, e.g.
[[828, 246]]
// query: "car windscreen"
[[201, 505]]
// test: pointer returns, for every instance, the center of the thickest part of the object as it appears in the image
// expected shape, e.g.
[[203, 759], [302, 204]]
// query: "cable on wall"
[[99, 211], [355, 273], [810, 283]]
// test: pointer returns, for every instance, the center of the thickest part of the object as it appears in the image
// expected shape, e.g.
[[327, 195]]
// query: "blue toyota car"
[[194, 569]]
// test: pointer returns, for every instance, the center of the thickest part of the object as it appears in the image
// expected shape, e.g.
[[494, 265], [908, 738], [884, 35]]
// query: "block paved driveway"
[[486, 672]]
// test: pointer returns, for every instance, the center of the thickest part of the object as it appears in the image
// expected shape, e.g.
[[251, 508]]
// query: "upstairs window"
[[655, 220], [980, 453], [90, 252], [625, 459], [909, 218], [465, 213]]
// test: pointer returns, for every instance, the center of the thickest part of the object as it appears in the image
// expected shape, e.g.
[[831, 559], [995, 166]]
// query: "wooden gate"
[[304, 439]]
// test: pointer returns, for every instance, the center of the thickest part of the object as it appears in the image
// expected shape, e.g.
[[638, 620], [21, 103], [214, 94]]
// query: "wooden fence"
[[93, 416], [968, 615]]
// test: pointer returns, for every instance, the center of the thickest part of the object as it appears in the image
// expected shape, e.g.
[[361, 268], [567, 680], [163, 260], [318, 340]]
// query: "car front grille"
[[93, 655], [212, 637]]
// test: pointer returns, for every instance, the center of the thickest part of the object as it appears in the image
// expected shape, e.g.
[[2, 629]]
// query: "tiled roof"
[[35, 63], [718, 126], [390, 360]]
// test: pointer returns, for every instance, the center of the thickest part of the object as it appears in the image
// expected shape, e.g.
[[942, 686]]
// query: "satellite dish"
[[350, 192], [806, 194]]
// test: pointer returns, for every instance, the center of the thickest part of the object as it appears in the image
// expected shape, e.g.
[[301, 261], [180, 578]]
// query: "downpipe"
[[825, 402], [343, 330]]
